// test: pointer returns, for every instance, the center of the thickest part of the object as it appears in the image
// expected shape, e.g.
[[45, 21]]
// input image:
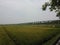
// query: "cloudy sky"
[[20, 11]]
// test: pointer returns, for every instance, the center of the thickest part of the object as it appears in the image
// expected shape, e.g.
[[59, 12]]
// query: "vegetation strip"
[[47, 39], [15, 41], [52, 41]]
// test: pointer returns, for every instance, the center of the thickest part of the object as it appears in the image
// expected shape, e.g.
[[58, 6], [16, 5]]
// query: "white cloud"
[[18, 11]]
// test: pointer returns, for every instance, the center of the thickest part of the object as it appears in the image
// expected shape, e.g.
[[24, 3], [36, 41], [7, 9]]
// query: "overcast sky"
[[20, 11]]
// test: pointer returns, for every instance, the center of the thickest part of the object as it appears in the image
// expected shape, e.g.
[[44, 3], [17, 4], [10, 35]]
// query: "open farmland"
[[29, 34]]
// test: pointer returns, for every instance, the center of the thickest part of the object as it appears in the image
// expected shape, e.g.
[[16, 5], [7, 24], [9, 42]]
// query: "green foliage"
[[53, 5], [45, 6]]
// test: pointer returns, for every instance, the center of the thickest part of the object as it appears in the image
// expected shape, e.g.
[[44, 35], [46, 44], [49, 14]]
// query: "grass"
[[4, 39], [52, 41], [28, 34]]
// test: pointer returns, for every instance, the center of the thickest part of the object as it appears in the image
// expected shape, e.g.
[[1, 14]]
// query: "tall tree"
[[53, 5]]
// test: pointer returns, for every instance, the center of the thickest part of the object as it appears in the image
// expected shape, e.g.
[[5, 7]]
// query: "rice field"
[[29, 34]]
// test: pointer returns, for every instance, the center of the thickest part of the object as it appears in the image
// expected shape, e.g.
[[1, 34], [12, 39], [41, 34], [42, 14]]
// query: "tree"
[[53, 5]]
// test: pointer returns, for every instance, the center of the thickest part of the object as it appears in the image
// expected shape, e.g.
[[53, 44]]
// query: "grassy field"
[[29, 34]]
